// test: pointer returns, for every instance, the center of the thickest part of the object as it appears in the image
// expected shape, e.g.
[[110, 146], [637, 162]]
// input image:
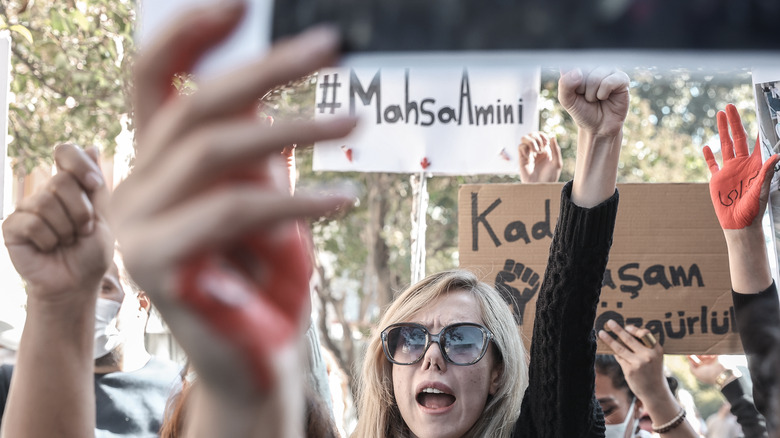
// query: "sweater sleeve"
[[738, 396], [560, 399], [758, 320]]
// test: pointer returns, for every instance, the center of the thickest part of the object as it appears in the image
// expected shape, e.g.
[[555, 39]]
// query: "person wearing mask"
[[632, 381], [60, 264]]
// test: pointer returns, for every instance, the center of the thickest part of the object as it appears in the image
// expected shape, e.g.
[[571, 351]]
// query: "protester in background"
[[734, 386], [739, 191], [540, 158], [638, 382], [131, 386], [81, 351]]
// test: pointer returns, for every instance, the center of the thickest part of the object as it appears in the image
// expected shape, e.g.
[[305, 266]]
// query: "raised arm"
[[740, 191], [643, 368], [560, 399], [208, 228], [60, 244], [734, 386], [597, 100]]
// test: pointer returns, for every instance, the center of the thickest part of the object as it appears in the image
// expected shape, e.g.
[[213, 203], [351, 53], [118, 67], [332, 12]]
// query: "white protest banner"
[[450, 119]]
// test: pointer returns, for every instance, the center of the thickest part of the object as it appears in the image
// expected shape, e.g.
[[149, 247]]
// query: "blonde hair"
[[378, 414]]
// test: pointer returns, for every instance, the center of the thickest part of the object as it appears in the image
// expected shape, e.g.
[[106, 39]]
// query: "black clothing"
[[758, 320], [560, 400]]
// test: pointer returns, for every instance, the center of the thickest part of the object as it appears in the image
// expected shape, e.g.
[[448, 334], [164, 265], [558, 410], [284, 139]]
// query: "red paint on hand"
[[255, 293], [735, 188]]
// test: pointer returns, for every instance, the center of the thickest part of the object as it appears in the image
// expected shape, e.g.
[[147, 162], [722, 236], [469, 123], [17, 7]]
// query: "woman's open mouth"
[[433, 398]]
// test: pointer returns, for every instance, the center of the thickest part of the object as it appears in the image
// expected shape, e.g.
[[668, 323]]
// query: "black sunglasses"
[[463, 343]]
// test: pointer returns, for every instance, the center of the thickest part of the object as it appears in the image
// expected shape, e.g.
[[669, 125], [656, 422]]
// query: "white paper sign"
[[766, 87], [464, 119], [247, 43]]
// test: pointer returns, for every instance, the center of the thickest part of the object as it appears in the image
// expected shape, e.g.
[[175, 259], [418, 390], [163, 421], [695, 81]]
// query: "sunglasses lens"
[[406, 344], [463, 344]]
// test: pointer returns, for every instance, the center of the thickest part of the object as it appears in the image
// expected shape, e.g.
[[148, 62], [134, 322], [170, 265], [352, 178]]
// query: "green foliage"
[[70, 66]]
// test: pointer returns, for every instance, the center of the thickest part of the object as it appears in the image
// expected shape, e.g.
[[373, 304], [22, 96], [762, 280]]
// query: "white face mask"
[[107, 336], [629, 423]]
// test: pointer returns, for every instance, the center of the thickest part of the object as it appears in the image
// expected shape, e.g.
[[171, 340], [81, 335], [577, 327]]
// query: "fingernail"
[[575, 74], [602, 334], [94, 181]]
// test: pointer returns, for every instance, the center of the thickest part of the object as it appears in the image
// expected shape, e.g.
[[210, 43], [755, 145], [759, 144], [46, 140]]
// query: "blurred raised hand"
[[540, 158]]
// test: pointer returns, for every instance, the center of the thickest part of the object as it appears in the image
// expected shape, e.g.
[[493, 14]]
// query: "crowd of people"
[[207, 229]]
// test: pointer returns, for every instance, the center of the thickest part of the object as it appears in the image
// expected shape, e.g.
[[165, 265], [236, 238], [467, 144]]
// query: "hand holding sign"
[[540, 158], [740, 189]]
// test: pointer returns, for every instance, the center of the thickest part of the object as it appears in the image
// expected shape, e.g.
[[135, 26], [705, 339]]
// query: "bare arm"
[[59, 242], [597, 100], [643, 368]]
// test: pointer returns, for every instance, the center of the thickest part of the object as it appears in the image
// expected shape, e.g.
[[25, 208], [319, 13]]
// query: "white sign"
[[249, 40], [766, 88], [464, 119]]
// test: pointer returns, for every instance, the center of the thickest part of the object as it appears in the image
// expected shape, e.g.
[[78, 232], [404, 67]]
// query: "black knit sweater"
[[758, 320], [560, 399]]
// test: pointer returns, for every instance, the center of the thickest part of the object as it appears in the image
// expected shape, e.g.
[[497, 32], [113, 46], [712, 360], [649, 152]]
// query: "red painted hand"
[[740, 189], [255, 295]]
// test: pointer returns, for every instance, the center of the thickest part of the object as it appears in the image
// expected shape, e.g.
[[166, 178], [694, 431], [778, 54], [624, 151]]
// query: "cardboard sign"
[[463, 119], [667, 271]]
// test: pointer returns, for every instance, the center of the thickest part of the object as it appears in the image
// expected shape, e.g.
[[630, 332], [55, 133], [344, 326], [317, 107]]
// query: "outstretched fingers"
[[217, 153], [738, 133], [767, 171], [710, 159], [238, 92], [726, 145], [225, 215], [176, 51], [555, 152]]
